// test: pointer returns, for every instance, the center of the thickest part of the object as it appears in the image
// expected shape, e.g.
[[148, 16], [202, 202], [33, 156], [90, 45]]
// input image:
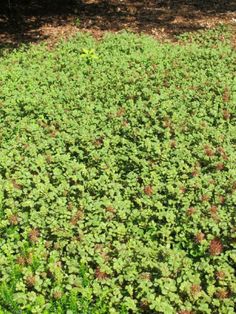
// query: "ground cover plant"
[[117, 176]]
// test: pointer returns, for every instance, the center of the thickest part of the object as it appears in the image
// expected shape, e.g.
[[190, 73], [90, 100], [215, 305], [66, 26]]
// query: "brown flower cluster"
[[148, 190], [34, 235]]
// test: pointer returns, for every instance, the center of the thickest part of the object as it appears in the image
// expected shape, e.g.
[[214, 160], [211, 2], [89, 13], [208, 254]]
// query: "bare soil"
[[164, 19]]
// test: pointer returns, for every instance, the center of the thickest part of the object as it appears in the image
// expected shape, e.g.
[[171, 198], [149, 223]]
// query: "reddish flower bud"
[[226, 114], [213, 209], [78, 216], [226, 95], [222, 294], [16, 185], [220, 166], [182, 190], [199, 237], [190, 211], [195, 289], [221, 199], [57, 295], [100, 274], [30, 281], [21, 260], [209, 152], [34, 235], [120, 112], [111, 209], [148, 190], [216, 247], [13, 219], [205, 198], [220, 275]]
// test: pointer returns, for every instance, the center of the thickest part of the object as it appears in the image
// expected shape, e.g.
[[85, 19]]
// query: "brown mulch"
[[163, 19]]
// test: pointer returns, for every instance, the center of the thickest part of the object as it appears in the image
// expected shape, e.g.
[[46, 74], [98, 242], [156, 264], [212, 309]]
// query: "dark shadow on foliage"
[[24, 21]]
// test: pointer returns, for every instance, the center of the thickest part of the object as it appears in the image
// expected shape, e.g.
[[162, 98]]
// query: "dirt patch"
[[162, 19]]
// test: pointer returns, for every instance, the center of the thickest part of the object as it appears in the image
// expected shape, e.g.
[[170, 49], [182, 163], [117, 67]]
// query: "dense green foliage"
[[117, 173]]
